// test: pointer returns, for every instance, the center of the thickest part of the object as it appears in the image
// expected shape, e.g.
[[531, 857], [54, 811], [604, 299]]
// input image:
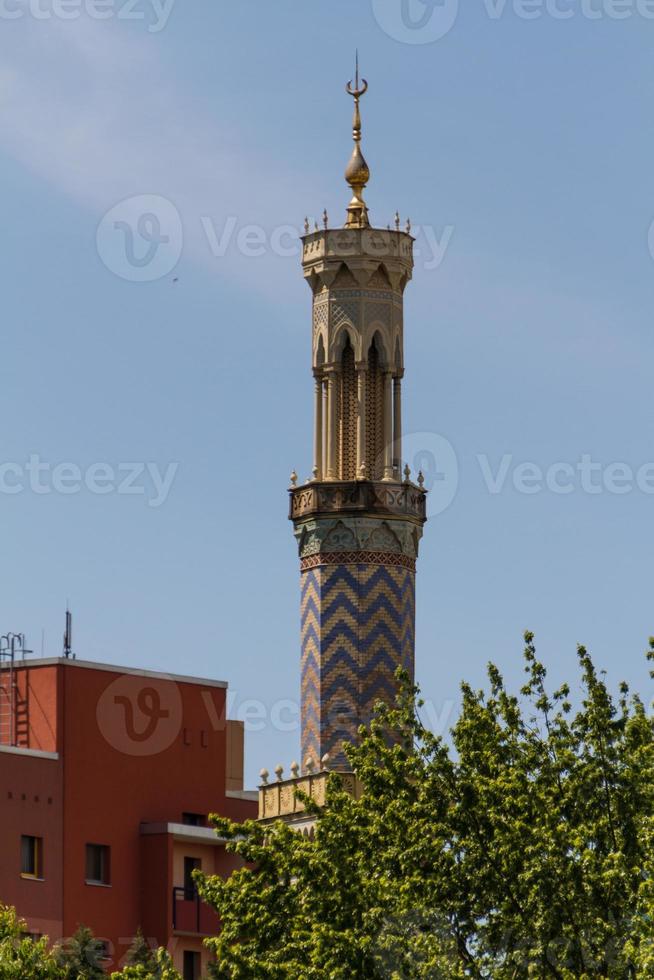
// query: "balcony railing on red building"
[[190, 914]]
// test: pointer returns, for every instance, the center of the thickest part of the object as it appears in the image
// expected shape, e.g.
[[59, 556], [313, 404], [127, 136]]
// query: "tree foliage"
[[21, 956], [158, 966], [141, 952], [523, 849], [80, 958]]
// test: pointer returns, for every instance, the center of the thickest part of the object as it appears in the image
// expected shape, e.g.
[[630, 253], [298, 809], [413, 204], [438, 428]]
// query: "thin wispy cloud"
[[94, 111]]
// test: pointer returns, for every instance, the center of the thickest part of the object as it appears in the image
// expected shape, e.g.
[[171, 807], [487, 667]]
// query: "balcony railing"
[[359, 496], [190, 914]]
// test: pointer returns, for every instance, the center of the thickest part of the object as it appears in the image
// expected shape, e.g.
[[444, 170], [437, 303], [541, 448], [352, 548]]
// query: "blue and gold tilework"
[[358, 621]]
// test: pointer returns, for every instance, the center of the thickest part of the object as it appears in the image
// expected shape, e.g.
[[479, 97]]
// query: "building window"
[[31, 857], [191, 864], [97, 864], [191, 965], [194, 819]]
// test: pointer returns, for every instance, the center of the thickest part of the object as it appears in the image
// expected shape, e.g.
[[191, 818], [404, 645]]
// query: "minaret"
[[358, 522]]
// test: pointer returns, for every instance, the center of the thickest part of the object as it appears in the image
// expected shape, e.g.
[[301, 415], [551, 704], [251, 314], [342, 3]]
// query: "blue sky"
[[525, 145]]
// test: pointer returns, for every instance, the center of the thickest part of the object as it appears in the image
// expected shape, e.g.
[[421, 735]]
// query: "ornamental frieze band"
[[358, 534], [350, 497], [358, 558]]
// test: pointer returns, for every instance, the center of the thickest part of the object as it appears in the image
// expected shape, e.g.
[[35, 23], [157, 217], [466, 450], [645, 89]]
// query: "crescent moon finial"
[[357, 173], [357, 92]]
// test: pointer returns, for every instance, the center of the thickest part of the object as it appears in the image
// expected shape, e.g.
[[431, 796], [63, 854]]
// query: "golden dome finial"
[[357, 173]]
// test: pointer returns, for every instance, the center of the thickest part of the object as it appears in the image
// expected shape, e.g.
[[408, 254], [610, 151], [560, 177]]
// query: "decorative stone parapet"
[[278, 800], [359, 497], [366, 246]]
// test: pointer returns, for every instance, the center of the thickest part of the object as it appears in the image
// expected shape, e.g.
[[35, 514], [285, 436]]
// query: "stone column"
[[317, 431], [332, 424], [397, 426], [388, 428], [361, 421], [325, 426]]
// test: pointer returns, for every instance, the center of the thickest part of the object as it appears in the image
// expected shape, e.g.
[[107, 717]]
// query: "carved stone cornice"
[[359, 498], [278, 800], [362, 249], [347, 535]]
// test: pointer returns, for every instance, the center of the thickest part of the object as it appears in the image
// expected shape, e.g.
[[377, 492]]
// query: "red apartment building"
[[107, 775]]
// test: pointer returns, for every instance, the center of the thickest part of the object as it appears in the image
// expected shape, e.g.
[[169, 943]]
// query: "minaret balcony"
[[279, 800], [357, 497], [328, 248]]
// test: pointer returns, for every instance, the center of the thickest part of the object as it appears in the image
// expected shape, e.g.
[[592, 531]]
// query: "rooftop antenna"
[[68, 635]]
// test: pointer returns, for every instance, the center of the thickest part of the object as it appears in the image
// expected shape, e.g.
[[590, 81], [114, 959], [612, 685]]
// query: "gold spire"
[[357, 173]]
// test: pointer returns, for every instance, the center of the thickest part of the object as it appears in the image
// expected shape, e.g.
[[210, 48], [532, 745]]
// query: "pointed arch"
[[375, 441], [380, 278], [378, 340], [344, 334], [320, 356], [348, 411], [344, 278]]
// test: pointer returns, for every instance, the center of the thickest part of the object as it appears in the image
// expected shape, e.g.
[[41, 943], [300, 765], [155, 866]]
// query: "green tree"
[[82, 957], [21, 957], [158, 967], [524, 849], [141, 953]]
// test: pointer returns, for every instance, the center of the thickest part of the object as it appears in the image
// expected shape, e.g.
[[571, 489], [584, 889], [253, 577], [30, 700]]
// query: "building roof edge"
[[114, 669]]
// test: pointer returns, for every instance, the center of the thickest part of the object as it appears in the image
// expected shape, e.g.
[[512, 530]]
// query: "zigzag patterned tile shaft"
[[357, 629]]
